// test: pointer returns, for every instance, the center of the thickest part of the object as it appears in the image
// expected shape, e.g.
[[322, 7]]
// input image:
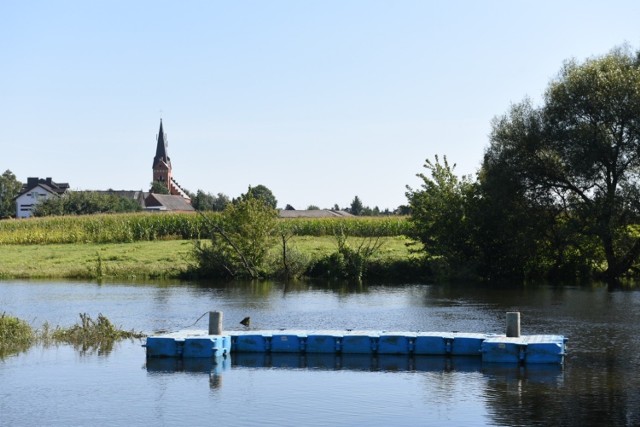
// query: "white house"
[[36, 190]]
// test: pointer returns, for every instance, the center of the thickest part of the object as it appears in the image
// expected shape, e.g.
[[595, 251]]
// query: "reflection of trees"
[[522, 395], [538, 397], [263, 289]]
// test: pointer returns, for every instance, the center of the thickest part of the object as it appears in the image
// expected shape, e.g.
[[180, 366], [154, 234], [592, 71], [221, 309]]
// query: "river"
[[599, 383]]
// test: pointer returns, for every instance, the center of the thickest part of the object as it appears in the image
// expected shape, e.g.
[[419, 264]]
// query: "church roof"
[[161, 148], [167, 202]]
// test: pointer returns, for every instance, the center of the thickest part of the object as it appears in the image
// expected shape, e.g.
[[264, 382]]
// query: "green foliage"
[[158, 187], [9, 189], [202, 201], [347, 262], [15, 335], [290, 263], [85, 203], [262, 193], [440, 214], [240, 241], [356, 206], [574, 163], [89, 334]]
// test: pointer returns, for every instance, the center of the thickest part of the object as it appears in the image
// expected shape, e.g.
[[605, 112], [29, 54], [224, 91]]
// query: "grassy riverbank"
[[145, 259]]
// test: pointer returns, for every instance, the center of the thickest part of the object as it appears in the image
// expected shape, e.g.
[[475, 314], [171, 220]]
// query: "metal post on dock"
[[215, 323], [513, 324]]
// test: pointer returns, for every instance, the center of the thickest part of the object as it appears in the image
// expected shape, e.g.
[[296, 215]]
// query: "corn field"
[[133, 227]]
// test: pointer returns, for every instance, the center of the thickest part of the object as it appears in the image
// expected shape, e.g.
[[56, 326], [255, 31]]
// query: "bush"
[[239, 243], [346, 263]]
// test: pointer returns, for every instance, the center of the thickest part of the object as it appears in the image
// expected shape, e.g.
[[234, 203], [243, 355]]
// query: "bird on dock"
[[246, 321]]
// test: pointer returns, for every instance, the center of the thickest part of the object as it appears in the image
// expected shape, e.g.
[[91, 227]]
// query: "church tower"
[[162, 172], [162, 162]]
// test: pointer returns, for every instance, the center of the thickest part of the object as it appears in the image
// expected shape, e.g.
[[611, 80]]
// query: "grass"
[[91, 260], [152, 260]]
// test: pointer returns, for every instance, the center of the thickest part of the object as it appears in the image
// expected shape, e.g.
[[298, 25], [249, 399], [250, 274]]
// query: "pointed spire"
[[161, 148]]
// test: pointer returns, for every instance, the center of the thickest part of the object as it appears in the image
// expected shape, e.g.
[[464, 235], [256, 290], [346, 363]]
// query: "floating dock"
[[493, 348], [489, 347]]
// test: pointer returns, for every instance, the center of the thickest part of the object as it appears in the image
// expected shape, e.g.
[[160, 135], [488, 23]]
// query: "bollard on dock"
[[513, 324], [215, 323]]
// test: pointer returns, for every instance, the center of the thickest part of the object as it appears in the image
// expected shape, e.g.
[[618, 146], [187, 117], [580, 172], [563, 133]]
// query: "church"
[[177, 199], [162, 172]]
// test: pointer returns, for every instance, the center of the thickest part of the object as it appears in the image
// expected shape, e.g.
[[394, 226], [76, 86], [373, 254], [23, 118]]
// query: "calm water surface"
[[599, 383]]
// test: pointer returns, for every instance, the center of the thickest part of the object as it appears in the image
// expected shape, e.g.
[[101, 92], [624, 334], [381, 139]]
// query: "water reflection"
[[551, 374]]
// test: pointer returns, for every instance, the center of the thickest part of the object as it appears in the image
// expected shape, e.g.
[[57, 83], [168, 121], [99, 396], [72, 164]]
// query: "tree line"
[[558, 193]]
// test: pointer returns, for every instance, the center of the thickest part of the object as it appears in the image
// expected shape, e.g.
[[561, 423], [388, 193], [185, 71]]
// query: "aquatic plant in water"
[[15, 335], [90, 334]]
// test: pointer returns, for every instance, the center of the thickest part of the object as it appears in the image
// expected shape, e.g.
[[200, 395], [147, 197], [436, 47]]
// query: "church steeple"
[[161, 149], [162, 172], [162, 162]]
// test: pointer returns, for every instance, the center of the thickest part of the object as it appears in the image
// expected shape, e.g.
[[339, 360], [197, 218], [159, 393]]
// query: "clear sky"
[[318, 100]]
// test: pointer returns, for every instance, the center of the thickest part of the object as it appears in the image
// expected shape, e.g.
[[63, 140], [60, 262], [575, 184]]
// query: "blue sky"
[[318, 100]]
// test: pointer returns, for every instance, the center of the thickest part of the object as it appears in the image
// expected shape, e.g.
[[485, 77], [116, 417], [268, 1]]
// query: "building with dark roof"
[[36, 190], [167, 202]]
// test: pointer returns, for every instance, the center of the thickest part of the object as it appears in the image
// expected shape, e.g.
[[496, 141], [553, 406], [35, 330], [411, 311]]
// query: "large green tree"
[[9, 189], [356, 206], [578, 157], [158, 187], [262, 193], [439, 213], [202, 201]]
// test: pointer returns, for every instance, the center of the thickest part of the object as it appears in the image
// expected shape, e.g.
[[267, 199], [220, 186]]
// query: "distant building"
[[313, 213], [167, 202], [162, 171], [36, 190]]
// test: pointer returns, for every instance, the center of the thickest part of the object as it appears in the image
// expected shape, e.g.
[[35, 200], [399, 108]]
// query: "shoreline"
[[159, 259]]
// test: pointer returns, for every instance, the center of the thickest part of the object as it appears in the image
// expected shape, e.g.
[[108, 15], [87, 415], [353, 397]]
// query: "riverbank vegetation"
[[187, 245], [160, 259], [88, 334]]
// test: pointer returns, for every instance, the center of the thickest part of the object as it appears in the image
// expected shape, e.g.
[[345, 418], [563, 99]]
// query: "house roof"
[[167, 202], [161, 149], [47, 184], [314, 213]]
